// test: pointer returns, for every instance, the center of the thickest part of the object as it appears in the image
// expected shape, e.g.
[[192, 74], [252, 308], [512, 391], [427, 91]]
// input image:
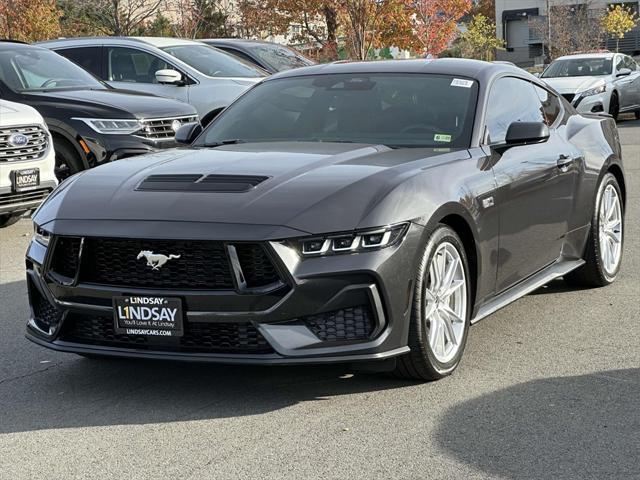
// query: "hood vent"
[[200, 183]]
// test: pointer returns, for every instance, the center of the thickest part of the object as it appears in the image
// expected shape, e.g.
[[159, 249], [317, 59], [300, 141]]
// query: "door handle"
[[564, 162]]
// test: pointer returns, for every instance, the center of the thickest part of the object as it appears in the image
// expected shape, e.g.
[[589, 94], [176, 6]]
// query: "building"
[[514, 19]]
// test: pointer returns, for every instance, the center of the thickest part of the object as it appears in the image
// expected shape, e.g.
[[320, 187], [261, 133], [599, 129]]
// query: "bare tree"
[[569, 28], [117, 17]]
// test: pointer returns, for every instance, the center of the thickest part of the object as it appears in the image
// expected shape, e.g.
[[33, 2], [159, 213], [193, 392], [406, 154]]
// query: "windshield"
[[213, 62], [399, 110], [280, 58], [579, 67], [26, 69]]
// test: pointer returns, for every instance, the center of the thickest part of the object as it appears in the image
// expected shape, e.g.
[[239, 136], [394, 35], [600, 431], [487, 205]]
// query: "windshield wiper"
[[233, 141]]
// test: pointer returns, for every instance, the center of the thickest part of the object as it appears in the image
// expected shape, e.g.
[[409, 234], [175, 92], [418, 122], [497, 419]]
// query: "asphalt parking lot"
[[549, 387]]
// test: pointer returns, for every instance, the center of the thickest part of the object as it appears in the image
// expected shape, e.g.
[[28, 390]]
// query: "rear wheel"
[[614, 106], [603, 254], [637, 114], [441, 309]]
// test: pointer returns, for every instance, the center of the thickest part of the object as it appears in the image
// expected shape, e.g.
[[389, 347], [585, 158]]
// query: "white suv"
[[27, 161], [597, 82]]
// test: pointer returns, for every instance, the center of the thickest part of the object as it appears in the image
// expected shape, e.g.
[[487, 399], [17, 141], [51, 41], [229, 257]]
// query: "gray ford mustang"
[[336, 213]]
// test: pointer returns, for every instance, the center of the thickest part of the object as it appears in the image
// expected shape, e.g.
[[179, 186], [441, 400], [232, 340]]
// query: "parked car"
[[27, 161], [339, 213], [597, 82], [207, 78], [269, 56], [90, 122]]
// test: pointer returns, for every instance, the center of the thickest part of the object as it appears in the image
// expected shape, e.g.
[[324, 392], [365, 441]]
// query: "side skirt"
[[544, 276]]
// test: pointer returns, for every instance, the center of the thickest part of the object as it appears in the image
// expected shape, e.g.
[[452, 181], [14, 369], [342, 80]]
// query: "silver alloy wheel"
[[610, 229], [446, 302]]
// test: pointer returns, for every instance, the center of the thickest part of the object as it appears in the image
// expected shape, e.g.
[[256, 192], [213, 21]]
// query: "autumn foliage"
[[29, 20]]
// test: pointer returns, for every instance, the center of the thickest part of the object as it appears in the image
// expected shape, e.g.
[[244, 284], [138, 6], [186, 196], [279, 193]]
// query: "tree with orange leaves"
[[435, 23], [29, 20]]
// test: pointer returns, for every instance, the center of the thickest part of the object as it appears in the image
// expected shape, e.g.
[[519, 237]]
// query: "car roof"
[[588, 55], [444, 66], [240, 41], [11, 45], [158, 42]]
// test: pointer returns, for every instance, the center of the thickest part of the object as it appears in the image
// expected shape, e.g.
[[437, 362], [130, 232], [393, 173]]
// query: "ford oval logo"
[[18, 140]]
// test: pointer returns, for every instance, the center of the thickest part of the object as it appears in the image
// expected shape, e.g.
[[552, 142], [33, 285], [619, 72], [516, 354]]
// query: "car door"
[[134, 69], [634, 80], [623, 84], [535, 182]]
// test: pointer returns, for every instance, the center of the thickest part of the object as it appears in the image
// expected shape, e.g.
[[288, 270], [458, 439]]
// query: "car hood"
[[574, 84], [307, 187], [18, 114], [124, 103]]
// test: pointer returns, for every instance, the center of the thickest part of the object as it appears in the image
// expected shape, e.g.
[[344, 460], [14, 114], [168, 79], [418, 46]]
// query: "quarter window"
[[133, 65], [511, 100]]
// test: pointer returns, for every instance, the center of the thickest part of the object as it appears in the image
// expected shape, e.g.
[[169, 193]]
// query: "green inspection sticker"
[[441, 137]]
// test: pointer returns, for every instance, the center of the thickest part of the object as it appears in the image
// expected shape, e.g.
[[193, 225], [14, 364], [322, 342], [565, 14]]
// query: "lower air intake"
[[353, 323]]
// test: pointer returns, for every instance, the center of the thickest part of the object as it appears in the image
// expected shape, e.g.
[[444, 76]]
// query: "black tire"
[[420, 363], [9, 219], [637, 112], [614, 106], [592, 273], [68, 162]]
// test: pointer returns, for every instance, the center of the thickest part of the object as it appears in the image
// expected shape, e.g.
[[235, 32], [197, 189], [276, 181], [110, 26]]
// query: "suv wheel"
[[68, 161]]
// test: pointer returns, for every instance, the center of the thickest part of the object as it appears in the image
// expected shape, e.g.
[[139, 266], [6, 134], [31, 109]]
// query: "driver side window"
[[133, 65], [511, 100]]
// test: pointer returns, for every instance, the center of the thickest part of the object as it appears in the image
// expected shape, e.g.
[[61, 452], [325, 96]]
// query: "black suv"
[[90, 122]]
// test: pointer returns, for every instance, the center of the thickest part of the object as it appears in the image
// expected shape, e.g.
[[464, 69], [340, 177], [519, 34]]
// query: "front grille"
[[198, 337], [65, 259], [163, 128], [257, 268], [32, 196], [353, 323], [35, 148], [569, 96], [198, 265]]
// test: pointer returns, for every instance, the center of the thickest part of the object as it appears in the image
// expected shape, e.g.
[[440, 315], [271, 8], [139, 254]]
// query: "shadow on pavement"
[[566, 427], [71, 391]]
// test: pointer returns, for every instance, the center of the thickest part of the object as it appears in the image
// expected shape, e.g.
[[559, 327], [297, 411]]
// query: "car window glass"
[[578, 67], [619, 63], [213, 62], [400, 110], [238, 54], [32, 69], [551, 105], [279, 57], [511, 100], [133, 65], [87, 57], [630, 63]]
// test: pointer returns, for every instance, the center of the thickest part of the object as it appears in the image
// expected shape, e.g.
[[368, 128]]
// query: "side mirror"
[[525, 133], [623, 72], [188, 132], [169, 76]]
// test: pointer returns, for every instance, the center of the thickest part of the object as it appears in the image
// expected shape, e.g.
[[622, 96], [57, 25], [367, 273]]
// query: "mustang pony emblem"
[[155, 260]]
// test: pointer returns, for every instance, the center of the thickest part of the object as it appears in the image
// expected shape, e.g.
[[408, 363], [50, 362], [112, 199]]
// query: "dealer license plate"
[[149, 316]]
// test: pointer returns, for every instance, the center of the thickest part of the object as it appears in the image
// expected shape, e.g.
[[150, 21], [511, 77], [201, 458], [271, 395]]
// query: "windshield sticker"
[[441, 137], [461, 82]]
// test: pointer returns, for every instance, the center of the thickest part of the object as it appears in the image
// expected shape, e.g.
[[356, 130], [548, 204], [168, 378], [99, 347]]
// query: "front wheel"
[[441, 309], [9, 219], [603, 254], [614, 106]]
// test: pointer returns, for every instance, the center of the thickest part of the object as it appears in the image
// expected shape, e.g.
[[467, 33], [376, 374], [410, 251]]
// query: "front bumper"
[[593, 103], [327, 290]]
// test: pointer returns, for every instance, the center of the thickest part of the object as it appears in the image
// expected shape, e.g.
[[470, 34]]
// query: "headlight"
[[41, 236], [353, 242], [111, 126], [594, 91]]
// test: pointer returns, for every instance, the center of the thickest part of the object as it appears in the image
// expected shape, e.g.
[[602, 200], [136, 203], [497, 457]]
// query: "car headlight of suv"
[[110, 126], [352, 242], [594, 91], [41, 236]]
